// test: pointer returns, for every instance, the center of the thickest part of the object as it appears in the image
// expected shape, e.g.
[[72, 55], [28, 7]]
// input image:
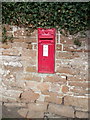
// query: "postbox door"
[[46, 58]]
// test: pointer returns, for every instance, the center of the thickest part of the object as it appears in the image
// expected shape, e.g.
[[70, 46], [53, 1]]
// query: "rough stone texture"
[[34, 114], [76, 101], [23, 112], [80, 114], [29, 96], [64, 93], [61, 110], [38, 107]]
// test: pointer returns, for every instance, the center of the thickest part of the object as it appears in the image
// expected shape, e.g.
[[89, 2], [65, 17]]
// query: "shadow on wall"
[[12, 114], [8, 113]]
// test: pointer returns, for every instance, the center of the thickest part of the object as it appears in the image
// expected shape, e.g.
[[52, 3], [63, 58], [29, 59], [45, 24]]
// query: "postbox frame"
[[50, 41]]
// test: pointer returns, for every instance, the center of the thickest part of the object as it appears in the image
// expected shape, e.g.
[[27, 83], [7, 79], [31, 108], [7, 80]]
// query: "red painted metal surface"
[[46, 50]]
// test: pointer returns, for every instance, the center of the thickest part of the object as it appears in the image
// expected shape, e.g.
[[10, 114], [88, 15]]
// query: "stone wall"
[[28, 94]]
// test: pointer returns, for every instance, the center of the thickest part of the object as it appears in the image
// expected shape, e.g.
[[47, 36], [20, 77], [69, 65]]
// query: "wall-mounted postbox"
[[46, 50]]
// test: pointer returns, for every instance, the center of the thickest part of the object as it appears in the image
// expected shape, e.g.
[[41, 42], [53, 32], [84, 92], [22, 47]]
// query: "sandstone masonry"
[[25, 93]]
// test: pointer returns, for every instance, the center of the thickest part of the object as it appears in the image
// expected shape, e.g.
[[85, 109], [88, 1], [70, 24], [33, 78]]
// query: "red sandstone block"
[[21, 39], [65, 89], [54, 79], [31, 39], [31, 69], [29, 96], [13, 69], [53, 97], [5, 45], [31, 77]]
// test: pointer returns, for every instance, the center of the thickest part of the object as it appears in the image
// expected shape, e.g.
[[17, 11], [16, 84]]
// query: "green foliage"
[[5, 38], [70, 16], [77, 42]]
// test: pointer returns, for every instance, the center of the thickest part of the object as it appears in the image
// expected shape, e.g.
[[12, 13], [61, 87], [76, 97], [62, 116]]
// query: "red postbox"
[[46, 50]]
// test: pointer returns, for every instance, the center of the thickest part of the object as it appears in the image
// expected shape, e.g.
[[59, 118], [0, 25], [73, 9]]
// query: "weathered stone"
[[29, 96], [11, 52], [43, 86], [22, 84], [8, 99], [38, 107], [0, 110], [65, 70], [34, 33], [31, 85], [29, 46], [34, 114], [53, 98], [66, 55], [20, 32], [79, 84], [29, 53], [75, 78], [0, 33], [31, 77], [13, 69], [66, 40], [20, 39], [82, 109], [5, 45], [55, 87], [23, 112], [31, 69], [61, 110], [12, 93], [19, 45], [14, 104], [27, 62], [35, 46], [14, 64], [80, 114], [76, 101], [10, 112], [79, 91], [54, 78], [65, 89], [59, 47]]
